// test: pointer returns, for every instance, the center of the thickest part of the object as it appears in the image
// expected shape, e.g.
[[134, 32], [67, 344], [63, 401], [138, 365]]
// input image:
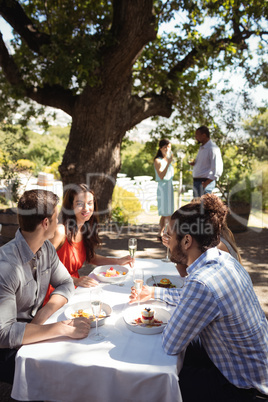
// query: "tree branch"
[[8, 65], [54, 96], [149, 105], [132, 28], [14, 14], [218, 45]]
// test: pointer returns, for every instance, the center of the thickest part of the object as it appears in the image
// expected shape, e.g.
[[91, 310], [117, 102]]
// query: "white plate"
[[111, 279], [85, 305], [135, 312], [175, 280]]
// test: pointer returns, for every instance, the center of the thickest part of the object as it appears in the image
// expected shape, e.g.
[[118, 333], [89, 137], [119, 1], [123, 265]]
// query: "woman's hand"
[[85, 282], [170, 158], [126, 260], [147, 293]]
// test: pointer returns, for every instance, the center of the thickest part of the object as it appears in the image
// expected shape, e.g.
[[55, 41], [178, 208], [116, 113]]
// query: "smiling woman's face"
[[165, 149], [83, 207]]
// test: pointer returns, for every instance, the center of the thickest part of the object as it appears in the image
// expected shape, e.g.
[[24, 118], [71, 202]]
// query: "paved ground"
[[253, 245]]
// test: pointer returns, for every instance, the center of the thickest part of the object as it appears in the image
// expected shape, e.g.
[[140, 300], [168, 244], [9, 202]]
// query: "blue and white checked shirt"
[[218, 303]]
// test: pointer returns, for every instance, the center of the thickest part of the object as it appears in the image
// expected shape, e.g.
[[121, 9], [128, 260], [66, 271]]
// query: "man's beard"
[[178, 256]]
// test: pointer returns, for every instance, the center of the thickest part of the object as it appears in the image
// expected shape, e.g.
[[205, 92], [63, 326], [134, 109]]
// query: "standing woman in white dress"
[[164, 173]]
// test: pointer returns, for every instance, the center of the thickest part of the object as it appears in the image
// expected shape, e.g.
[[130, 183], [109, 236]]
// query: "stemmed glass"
[[132, 248], [96, 295], [138, 282], [166, 259]]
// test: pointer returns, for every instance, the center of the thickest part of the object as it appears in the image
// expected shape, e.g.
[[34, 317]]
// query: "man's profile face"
[[200, 138], [52, 224], [178, 255]]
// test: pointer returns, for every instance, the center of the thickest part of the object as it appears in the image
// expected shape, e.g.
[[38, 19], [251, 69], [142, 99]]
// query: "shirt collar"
[[24, 249], [207, 144], [212, 254]]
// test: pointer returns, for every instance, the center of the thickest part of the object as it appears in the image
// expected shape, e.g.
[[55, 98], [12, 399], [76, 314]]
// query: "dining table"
[[125, 366]]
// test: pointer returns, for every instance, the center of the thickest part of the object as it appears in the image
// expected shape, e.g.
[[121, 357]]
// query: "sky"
[[259, 93]]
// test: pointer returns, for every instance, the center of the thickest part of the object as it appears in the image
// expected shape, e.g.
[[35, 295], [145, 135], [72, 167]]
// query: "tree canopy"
[[110, 65]]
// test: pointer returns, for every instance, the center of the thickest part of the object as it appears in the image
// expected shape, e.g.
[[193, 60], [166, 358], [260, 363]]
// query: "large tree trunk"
[[92, 156]]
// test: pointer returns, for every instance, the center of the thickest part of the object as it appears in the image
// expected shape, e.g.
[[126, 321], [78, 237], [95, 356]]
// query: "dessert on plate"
[[111, 273], [165, 283], [147, 316], [147, 319]]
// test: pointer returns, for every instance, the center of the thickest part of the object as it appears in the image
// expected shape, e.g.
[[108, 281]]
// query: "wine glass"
[[132, 247], [138, 282], [166, 259], [96, 295]]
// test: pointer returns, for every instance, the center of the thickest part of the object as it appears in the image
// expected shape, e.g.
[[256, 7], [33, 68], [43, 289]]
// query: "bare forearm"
[[37, 333], [101, 260], [78, 328], [55, 303]]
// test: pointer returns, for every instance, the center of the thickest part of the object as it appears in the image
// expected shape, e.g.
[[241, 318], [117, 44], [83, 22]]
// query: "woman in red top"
[[77, 237]]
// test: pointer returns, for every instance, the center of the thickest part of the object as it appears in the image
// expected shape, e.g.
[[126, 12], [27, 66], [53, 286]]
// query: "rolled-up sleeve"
[[62, 281], [60, 278], [11, 331], [216, 167]]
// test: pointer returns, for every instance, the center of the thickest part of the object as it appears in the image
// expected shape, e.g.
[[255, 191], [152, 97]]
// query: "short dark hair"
[[34, 206], [204, 130], [202, 218]]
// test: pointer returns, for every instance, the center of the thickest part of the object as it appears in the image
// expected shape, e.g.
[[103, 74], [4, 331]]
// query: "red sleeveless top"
[[73, 257]]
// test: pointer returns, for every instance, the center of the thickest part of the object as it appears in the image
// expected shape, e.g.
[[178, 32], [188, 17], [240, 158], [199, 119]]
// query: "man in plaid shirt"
[[218, 321]]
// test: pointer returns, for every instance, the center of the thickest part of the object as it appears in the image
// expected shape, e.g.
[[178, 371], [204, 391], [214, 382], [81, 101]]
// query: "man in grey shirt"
[[208, 165], [28, 264]]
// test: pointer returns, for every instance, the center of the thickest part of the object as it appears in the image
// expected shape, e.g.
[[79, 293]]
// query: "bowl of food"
[[83, 309], [111, 273], [146, 319], [167, 282]]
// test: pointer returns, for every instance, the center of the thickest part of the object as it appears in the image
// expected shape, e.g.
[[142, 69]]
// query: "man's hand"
[[165, 240], [81, 327], [206, 183], [147, 293]]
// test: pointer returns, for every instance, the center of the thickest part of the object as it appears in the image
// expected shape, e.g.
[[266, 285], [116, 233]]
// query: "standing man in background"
[[208, 165]]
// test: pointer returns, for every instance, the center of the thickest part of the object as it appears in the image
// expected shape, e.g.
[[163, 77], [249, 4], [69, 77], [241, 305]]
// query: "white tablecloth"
[[126, 366]]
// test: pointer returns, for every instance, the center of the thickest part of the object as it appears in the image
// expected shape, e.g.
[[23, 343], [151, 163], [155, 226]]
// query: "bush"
[[54, 169], [125, 206], [25, 164]]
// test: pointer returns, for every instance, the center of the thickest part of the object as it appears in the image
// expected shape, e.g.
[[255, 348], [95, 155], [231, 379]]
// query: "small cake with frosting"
[[147, 316], [112, 272], [165, 282]]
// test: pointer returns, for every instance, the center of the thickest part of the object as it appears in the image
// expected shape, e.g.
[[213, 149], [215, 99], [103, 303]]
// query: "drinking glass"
[[166, 259], [138, 282], [132, 248], [96, 296]]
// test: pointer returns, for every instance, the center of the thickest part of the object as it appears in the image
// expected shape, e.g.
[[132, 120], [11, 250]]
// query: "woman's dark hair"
[[202, 218], [90, 228], [162, 143]]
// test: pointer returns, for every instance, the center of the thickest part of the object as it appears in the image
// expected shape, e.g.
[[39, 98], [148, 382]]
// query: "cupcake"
[[147, 316]]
